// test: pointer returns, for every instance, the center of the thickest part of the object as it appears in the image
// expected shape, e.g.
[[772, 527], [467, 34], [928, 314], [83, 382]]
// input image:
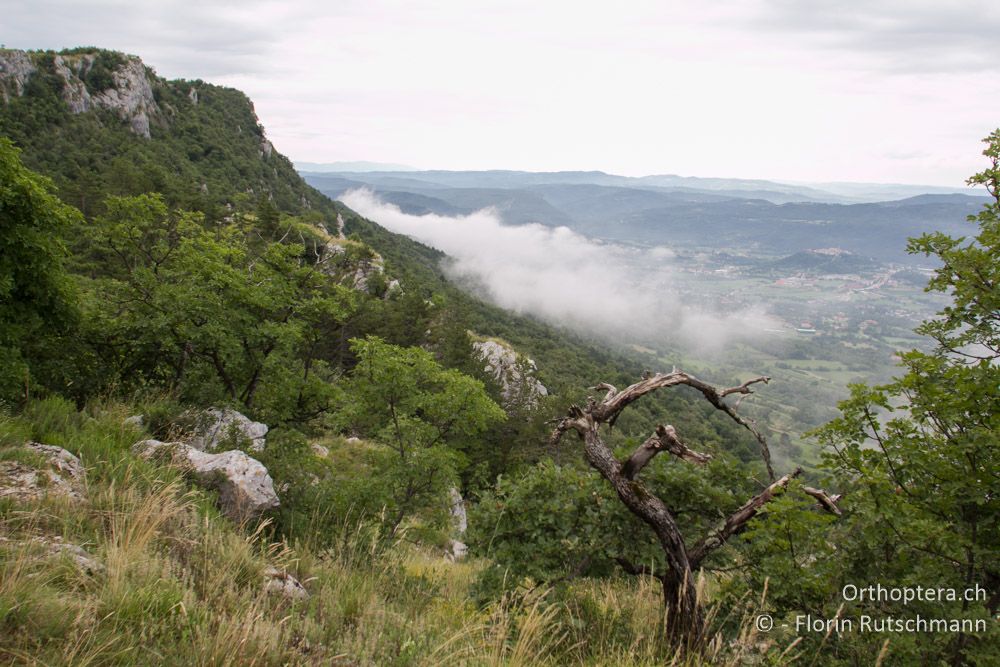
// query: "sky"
[[893, 91]]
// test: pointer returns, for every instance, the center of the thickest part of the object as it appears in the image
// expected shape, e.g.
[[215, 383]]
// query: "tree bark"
[[685, 620]]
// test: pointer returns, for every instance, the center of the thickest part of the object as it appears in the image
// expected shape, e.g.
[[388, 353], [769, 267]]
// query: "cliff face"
[[96, 80], [101, 122], [513, 372]]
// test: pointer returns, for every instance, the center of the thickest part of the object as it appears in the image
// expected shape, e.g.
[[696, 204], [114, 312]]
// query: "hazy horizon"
[[883, 92]]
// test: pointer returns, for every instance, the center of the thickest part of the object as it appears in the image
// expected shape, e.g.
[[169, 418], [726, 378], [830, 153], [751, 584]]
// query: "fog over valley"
[[621, 292]]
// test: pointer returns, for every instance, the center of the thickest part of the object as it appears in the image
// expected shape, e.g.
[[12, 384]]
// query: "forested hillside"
[[242, 424]]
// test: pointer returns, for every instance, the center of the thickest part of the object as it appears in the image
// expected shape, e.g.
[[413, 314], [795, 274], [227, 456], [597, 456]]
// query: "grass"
[[183, 586]]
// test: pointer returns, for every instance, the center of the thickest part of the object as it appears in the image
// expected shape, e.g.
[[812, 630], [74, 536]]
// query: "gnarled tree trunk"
[[685, 620]]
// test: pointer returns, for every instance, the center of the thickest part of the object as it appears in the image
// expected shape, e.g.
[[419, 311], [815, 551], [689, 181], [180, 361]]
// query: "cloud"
[[178, 38], [911, 36], [568, 279]]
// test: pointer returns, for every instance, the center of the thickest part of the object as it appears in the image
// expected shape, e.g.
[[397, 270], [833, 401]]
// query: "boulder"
[[277, 582], [245, 488], [512, 371], [459, 518], [136, 421], [456, 551], [53, 547], [216, 426], [60, 474], [319, 450]]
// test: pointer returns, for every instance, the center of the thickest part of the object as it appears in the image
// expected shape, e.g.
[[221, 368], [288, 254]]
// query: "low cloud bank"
[[568, 279]]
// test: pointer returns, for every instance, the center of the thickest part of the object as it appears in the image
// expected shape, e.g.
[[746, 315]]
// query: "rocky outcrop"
[[513, 372], [56, 473], [245, 488], [459, 517], [15, 70], [130, 95], [456, 551], [277, 582], [51, 546], [135, 421], [226, 427]]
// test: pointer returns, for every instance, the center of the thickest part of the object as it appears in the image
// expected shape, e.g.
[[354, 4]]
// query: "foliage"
[[425, 416], [918, 460], [220, 314], [37, 302], [559, 522]]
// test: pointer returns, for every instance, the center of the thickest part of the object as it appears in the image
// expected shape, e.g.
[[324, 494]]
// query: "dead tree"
[[684, 615]]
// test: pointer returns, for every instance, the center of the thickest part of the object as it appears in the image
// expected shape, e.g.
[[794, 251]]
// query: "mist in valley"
[[623, 293]]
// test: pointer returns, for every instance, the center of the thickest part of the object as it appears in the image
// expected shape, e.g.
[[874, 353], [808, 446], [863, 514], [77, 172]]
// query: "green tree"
[[918, 460], [37, 302], [217, 313], [425, 417]]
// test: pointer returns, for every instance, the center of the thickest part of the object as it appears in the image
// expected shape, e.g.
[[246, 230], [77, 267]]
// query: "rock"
[[15, 70], [459, 518], [353, 440], [245, 488], [281, 583], [266, 148], [456, 551], [134, 420], [61, 475], [214, 427], [131, 96], [392, 289], [75, 92], [53, 546], [320, 450], [513, 372]]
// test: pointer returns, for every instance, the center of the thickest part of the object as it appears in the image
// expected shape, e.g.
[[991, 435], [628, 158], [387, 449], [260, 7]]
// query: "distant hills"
[[762, 217], [361, 166]]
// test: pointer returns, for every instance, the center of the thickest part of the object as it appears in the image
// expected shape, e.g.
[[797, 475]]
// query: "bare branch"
[[737, 520], [609, 388], [576, 420], [827, 502], [665, 439], [745, 387]]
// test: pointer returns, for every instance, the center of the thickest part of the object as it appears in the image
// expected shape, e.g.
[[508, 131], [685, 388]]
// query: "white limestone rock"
[[456, 551], [61, 475], [513, 372], [214, 427], [52, 546], [277, 582], [245, 488], [15, 70], [459, 517]]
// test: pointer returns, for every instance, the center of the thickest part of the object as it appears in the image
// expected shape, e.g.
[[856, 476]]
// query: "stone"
[[15, 70], [131, 96], [245, 488], [215, 426], [513, 372], [456, 551], [277, 582], [459, 517], [53, 546], [61, 475], [319, 450], [135, 421]]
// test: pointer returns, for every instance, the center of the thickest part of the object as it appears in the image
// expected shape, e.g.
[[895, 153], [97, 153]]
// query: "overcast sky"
[[881, 90]]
